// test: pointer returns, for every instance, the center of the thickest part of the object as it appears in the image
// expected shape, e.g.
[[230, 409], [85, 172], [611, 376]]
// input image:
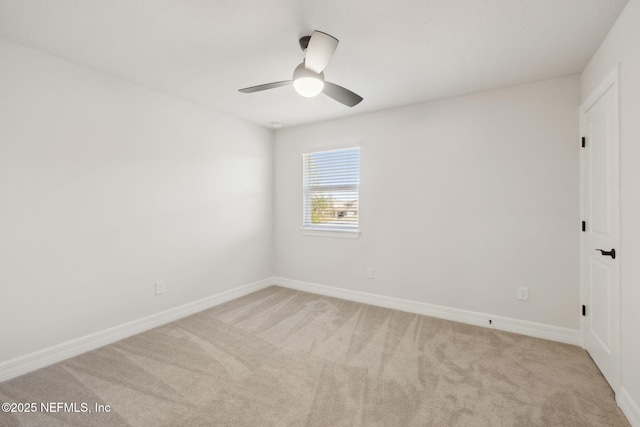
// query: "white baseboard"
[[630, 408], [47, 356], [538, 330]]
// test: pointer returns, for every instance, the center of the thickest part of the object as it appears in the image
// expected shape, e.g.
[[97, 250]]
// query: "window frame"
[[329, 230]]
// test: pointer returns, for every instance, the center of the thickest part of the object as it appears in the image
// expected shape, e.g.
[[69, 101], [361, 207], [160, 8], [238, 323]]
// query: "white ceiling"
[[392, 53]]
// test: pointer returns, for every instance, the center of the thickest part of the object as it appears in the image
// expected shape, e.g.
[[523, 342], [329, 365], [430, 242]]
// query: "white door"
[[600, 289]]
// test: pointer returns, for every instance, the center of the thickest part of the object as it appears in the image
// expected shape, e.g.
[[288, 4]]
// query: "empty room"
[[306, 213]]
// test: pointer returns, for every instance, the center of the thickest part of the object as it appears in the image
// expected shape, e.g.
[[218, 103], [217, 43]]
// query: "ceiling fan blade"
[[340, 94], [319, 51], [264, 87]]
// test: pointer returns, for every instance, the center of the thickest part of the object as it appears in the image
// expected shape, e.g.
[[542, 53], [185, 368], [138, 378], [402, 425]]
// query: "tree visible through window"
[[330, 189]]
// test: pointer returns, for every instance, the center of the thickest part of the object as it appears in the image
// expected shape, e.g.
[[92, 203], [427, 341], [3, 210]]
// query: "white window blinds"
[[330, 189]]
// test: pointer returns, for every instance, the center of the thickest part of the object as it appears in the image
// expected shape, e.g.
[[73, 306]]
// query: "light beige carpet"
[[280, 357]]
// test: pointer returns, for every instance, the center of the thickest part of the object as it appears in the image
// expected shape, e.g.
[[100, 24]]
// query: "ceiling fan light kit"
[[306, 82], [308, 77]]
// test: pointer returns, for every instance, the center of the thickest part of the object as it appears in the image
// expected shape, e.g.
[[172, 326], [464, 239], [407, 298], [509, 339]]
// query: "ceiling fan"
[[308, 77]]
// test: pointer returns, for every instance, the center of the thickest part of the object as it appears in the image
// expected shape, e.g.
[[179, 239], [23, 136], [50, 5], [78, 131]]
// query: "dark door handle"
[[611, 253]]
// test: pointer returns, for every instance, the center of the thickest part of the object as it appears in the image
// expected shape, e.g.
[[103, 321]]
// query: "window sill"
[[342, 234]]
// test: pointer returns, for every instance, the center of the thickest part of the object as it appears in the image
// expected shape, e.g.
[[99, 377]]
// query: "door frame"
[[610, 81]]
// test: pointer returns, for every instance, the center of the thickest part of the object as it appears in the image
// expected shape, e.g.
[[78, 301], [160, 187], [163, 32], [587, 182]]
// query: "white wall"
[[462, 201], [107, 187], [622, 46]]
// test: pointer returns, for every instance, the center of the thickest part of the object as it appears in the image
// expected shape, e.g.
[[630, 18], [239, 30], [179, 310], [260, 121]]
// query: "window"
[[330, 191]]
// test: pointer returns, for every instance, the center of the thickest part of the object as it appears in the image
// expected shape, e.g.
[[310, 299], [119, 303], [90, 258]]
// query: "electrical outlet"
[[523, 293], [369, 273], [159, 288]]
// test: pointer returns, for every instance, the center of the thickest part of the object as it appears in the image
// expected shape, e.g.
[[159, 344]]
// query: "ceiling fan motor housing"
[[304, 42], [302, 72]]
